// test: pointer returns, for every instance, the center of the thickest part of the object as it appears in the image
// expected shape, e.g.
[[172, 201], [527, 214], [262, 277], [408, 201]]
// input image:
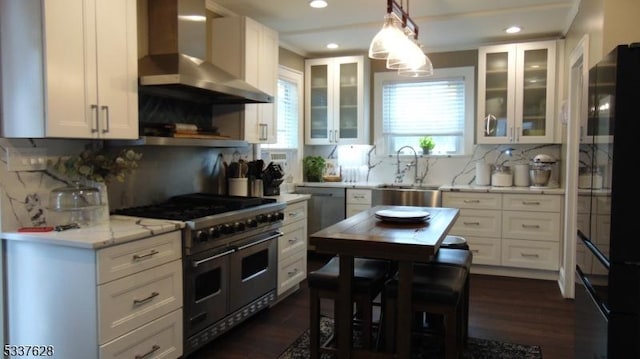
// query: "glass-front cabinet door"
[[496, 89], [336, 105], [535, 92], [516, 92], [318, 120]]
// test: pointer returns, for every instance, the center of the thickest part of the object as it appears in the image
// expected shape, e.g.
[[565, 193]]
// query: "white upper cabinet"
[[84, 69], [516, 93], [337, 100], [249, 51]]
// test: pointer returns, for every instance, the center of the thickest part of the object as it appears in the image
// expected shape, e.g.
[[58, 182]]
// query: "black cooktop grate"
[[194, 206]]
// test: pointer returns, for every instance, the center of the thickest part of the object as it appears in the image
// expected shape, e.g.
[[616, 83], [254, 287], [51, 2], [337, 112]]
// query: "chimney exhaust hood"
[[176, 65]]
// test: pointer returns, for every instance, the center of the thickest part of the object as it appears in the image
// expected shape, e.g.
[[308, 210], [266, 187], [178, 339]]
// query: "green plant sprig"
[[98, 166]]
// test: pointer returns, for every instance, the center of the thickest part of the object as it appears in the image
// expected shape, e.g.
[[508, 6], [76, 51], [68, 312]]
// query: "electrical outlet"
[[27, 159]]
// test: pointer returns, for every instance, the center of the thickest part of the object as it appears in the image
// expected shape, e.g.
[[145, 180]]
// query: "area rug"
[[424, 346]]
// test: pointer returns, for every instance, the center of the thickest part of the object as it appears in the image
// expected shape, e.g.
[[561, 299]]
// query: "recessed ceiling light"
[[513, 29], [318, 4], [332, 45]]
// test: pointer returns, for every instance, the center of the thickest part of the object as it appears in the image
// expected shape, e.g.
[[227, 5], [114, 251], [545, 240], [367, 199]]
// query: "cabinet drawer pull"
[[471, 201], [474, 251], [145, 300], [529, 255], [526, 203], [154, 349], [105, 109], [293, 214], [137, 257], [94, 109], [293, 240], [531, 226], [359, 197], [471, 223], [292, 273]]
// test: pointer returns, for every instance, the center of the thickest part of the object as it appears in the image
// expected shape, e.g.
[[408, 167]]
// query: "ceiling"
[[444, 25]]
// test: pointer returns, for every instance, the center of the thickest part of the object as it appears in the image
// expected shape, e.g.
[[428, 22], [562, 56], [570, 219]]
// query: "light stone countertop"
[[119, 229], [494, 189], [290, 198]]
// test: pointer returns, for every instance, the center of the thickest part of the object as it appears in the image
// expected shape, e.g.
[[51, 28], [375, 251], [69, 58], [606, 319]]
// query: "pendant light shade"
[[385, 39], [400, 48], [420, 71]]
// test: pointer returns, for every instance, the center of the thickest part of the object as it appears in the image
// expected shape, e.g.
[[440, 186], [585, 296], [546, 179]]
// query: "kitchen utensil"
[[540, 176], [238, 187]]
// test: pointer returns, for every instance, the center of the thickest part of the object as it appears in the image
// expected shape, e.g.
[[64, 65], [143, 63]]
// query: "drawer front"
[[130, 302], [353, 209], [132, 257], [359, 196], [294, 239], [542, 226], [485, 250], [292, 271], [530, 254], [473, 222], [536, 203], [472, 200], [161, 338], [295, 212]]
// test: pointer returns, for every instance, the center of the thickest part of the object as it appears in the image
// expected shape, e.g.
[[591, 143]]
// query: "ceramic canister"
[[521, 175], [483, 174]]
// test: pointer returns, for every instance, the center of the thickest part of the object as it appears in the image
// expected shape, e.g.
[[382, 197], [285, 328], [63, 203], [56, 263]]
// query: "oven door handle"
[[276, 235], [197, 263]]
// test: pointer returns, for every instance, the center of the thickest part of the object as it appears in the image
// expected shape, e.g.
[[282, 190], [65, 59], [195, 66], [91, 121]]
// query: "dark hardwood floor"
[[508, 309]]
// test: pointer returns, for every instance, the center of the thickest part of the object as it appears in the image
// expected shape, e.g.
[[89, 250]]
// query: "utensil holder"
[[238, 187]]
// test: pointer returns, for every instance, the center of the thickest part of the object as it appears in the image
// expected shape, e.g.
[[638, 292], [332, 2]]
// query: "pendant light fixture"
[[318, 4], [397, 43]]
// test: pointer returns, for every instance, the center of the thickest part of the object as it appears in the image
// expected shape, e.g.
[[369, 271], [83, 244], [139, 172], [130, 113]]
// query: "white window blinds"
[[288, 115], [434, 108]]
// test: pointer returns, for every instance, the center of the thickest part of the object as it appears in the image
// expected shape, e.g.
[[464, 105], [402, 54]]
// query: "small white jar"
[[502, 177]]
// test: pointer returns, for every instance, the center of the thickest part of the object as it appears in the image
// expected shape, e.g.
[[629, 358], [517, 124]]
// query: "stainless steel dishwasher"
[[326, 207]]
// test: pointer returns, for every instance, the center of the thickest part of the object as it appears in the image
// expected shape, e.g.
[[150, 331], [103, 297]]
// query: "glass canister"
[[501, 176], [78, 200]]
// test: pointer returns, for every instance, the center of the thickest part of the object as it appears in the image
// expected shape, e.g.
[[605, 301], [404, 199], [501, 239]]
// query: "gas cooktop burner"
[[193, 206]]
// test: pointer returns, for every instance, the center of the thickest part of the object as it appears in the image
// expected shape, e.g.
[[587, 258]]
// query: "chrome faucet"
[[400, 174]]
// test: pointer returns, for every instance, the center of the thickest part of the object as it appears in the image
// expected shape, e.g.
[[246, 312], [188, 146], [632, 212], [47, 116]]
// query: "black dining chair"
[[369, 276]]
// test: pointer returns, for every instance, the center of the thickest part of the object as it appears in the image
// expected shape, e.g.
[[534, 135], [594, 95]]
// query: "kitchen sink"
[[406, 195]]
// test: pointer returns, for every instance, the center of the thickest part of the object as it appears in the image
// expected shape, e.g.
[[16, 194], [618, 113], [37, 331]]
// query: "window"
[[440, 106], [289, 110]]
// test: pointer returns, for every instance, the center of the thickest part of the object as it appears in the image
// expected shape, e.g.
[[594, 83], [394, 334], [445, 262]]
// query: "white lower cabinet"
[[160, 338], [358, 200], [123, 301], [292, 249], [510, 230]]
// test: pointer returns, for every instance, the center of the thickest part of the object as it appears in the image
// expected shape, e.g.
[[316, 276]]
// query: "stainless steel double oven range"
[[229, 259]]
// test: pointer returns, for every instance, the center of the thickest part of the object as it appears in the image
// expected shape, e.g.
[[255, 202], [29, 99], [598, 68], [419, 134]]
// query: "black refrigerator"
[[607, 295]]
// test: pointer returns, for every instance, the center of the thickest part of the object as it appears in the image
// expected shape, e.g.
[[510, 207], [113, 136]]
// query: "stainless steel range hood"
[[176, 65]]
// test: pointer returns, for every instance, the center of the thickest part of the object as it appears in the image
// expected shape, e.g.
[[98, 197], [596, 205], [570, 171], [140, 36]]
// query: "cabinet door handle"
[[529, 255], [263, 131], [531, 226], [517, 134], [154, 349], [471, 201], [510, 133], [137, 257], [96, 115], [292, 273], [145, 300], [336, 136], [471, 223], [105, 109], [527, 203]]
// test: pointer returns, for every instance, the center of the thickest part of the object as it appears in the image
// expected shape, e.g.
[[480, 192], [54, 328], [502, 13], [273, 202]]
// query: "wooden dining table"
[[406, 242]]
